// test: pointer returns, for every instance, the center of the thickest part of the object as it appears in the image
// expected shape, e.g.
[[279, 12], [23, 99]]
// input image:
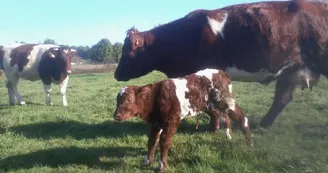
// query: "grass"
[[84, 137]]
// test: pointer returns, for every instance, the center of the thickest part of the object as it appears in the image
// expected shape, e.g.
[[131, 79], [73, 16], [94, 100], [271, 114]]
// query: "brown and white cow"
[[253, 42], [50, 63], [165, 103]]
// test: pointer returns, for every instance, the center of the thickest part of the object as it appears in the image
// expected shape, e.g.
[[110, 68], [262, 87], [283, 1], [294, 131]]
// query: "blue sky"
[[78, 22]]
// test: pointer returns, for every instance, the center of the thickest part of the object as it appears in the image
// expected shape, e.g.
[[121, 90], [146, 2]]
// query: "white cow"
[[46, 62]]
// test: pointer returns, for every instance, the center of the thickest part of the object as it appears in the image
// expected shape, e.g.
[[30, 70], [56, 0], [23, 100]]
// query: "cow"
[[163, 104], [261, 42], [46, 62]]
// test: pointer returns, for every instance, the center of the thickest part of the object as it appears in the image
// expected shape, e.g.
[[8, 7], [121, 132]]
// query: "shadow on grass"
[[313, 131], [78, 130], [57, 157]]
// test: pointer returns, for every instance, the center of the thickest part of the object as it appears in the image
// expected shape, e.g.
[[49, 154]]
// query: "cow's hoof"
[[22, 103]]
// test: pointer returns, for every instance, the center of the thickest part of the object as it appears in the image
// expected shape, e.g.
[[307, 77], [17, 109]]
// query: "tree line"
[[103, 51]]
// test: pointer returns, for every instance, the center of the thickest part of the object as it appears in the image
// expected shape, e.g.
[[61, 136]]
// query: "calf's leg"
[[154, 135], [214, 120], [285, 88], [221, 116], [166, 142], [238, 115]]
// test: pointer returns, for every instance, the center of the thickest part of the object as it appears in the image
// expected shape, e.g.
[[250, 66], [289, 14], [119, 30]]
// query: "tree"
[[102, 51], [117, 51], [83, 51], [49, 41]]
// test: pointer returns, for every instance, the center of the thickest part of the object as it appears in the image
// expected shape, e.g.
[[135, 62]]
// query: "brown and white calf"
[[50, 63], [165, 103]]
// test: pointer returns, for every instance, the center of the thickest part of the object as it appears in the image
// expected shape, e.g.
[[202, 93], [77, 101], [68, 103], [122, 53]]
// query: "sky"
[[85, 22]]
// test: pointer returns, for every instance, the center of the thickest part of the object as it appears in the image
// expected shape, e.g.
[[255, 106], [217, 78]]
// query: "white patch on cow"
[[227, 132], [122, 90], [246, 122], [242, 75], [48, 90], [52, 55], [230, 88], [208, 73], [181, 90], [63, 88], [216, 26], [231, 103], [282, 70], [65, 50]]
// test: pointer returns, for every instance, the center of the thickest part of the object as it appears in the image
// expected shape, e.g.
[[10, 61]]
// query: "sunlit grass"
[[84, 137]]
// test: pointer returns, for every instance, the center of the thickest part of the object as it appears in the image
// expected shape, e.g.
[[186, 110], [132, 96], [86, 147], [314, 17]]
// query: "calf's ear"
[[145, 89]]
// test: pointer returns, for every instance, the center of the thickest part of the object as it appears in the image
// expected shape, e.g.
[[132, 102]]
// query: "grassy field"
[[84, 137]]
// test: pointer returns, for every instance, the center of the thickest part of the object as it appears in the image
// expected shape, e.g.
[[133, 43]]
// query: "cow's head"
[[135, 60], [63, 56], [131, 102]]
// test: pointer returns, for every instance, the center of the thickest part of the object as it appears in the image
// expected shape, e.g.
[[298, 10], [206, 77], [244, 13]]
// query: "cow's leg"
[[285, 88], [154, 135], [11, 95], [13, 90], [63, 88], [46, 80], [166, 142], [48, 90]]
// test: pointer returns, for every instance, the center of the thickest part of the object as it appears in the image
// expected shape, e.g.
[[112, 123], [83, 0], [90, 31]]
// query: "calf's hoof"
[[162, 165], [148, 161]]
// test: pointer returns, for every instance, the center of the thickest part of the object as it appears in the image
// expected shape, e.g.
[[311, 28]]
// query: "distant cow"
[[50, 63], [254, 42], [165, 103]]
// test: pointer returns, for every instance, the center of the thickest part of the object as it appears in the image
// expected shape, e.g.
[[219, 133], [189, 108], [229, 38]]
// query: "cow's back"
[[23, 59]]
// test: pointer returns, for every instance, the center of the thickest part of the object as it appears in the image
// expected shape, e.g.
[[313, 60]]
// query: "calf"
[[165, 103], [50, 63]]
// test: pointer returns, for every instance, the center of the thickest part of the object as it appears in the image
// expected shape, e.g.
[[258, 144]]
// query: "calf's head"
[[135, 60], [132, 102], [62, 56]]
